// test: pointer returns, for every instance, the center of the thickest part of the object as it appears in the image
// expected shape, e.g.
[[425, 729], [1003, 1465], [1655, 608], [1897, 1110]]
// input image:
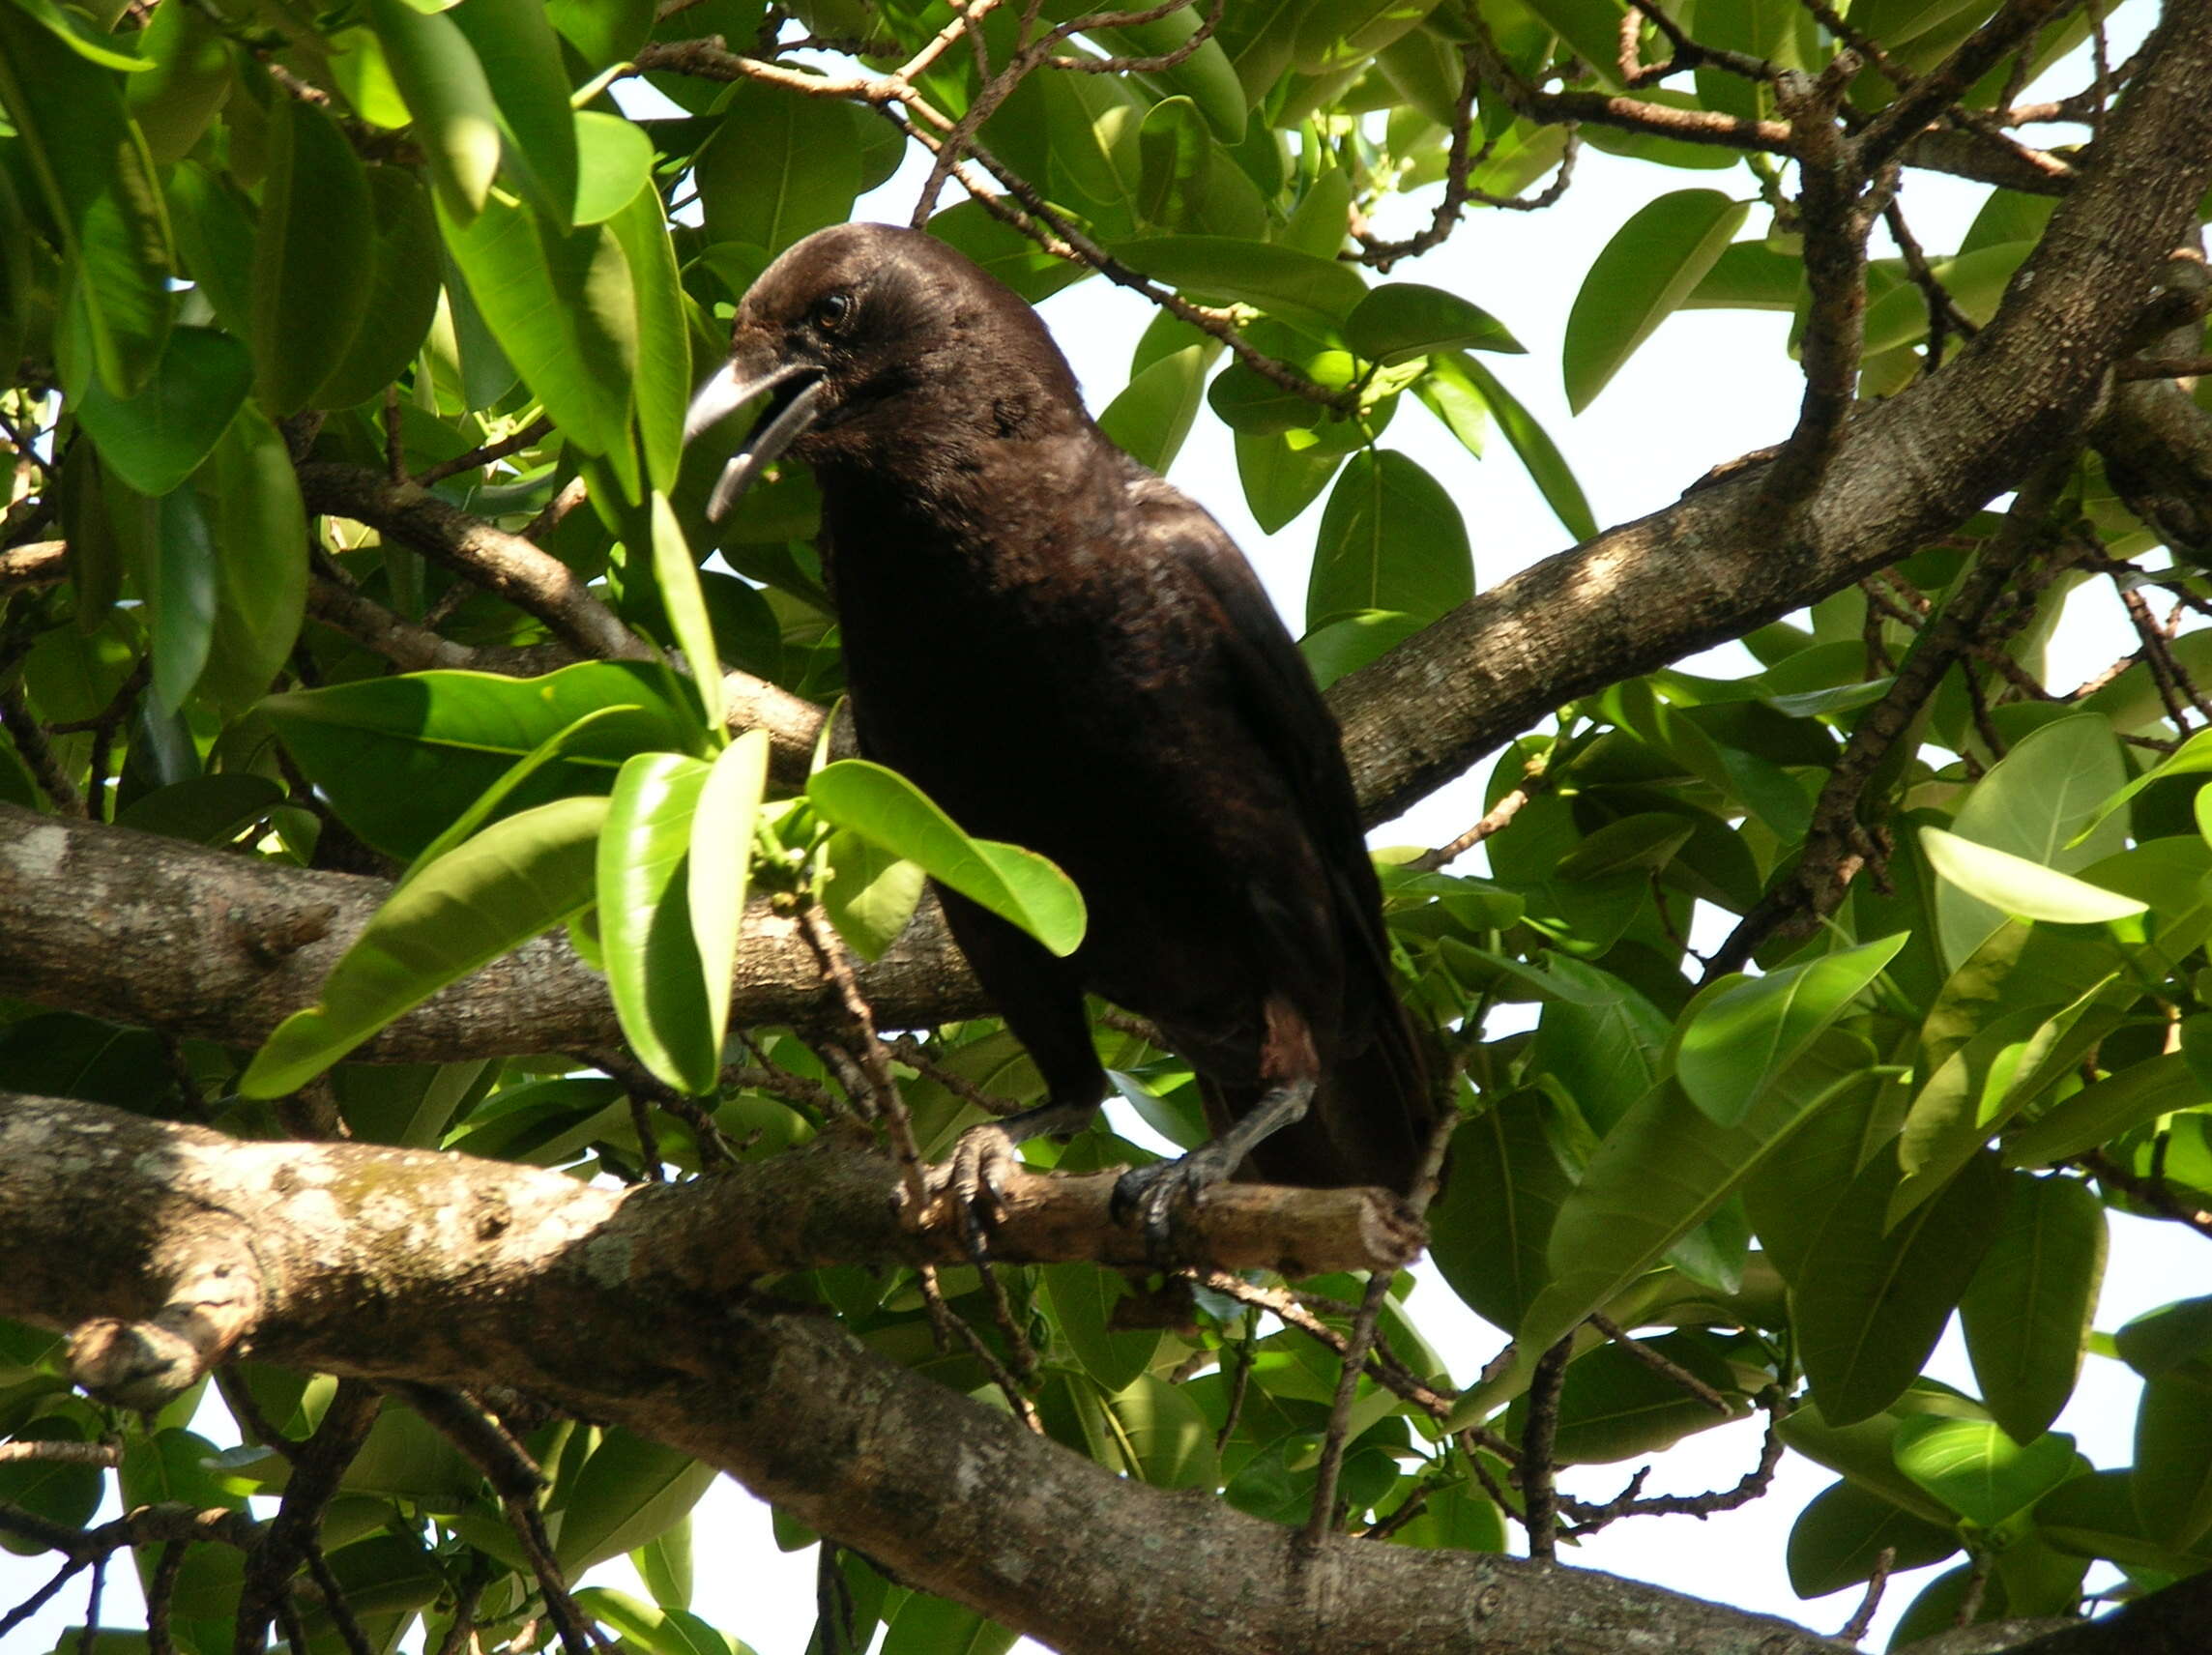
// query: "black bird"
[[1064, 652]]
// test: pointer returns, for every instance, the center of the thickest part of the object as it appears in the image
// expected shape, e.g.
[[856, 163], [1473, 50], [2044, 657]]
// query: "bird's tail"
[[1368, 1122]]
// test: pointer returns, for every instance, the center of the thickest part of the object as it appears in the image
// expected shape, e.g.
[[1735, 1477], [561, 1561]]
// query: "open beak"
[[795, 393]]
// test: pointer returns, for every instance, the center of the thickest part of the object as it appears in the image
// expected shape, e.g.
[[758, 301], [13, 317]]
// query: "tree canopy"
[[461, 998]]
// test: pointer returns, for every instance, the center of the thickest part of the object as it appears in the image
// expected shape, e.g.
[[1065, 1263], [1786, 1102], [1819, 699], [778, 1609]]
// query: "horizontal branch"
[[412, 1266]]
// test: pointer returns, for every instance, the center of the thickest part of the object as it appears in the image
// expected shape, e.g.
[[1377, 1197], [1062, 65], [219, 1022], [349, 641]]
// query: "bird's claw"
[[1150, 1197], [974, 1175]]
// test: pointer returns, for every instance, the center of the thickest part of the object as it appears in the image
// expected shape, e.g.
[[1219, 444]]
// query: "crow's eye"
[[830, 311]]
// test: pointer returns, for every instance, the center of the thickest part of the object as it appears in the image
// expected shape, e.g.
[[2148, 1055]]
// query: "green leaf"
[[1391, 539], [520, 56], [614, 161], [1547, 466], [91, 163], [2102, 1110], [519, 877], [1083, 1297], [1977, 1471], [2170, 1338], [158, 438], [628, 1491], [2033, 803], [402, 758], [1296, 288], [2173, 1457], [1163, 1437], [1615, 1406], [1280, 481], [1652, 263], [781, 166], [1349, 643], [562, 307], [1156, 410], [170, 550], [1174, 153], [655, 1629], [456, 118], [215, 233], [314, 258], [2025, 889], [1750, 276], [251, 494], [1869, 1313], [1018, 886], [653, 962], [205, 810], [1663, 1170], [190, 74], [1741, 1042], [490, 804], [1489, 1224], [926, 1625], [402, 297], [1401, 320], [2027, 1311], [721, 866], [677, 578], [871, 892], [1838, 1540], [662, 389]]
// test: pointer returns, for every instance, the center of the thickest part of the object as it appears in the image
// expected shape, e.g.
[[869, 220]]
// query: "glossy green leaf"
[[1662, 1170], [520, 57], [400, 758], [1083, 1299], [519, 877], [2170, 1338], [1750, 276], [2102, 1110], [926, 1625], [457, 117], [1491, 1223], [1156, 409], [1547, 466], [676, 576], [205, 810], [1392, 538], [314, 258], [1205, 74], [170, 547], [721, 866], [1175, 155], [1868, 1316], [1979, 1471], [870, 893], [2027, 1311], [562, 307], [1352, 641], [2173, 1457], [251, 494], [1652, 263], [1018, 886], [158, 438], [90, 161], [2033, 804], [657, 1629], [1838, 1540], [1163, 1438], [491, 803], [2015, 886], [1296, 288], [1280, 481], [174, 101], [662, 387], [1739, 1043], [402, 297], [628, 1491], [215, 231], [653, 960], [781, 166], [603, 32], [614, 162], [1404, 319]]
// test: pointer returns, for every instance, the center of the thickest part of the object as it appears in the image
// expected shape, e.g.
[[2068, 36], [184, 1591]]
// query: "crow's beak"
[[795, 392]]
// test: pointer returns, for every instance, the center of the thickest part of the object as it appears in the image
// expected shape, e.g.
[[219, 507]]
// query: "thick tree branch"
[[489, 1273]]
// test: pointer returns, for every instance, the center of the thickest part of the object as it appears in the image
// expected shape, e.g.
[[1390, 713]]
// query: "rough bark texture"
[[400, 1265]]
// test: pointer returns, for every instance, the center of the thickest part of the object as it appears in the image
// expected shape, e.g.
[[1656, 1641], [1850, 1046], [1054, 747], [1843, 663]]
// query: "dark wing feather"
[[1368, 1122]]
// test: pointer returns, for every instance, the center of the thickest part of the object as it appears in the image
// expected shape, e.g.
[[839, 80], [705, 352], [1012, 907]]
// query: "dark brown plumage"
[[1064, 652]]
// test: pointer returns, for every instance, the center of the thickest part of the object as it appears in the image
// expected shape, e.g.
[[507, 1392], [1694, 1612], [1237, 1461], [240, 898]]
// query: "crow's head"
[[879, 347]]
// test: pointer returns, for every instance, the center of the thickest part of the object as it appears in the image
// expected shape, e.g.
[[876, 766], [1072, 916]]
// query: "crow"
[[1064, 652]]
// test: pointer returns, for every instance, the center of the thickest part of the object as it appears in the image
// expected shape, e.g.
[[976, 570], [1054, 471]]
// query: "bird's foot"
[[1150, 1196], [975, 1176]]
